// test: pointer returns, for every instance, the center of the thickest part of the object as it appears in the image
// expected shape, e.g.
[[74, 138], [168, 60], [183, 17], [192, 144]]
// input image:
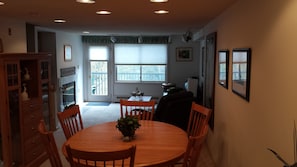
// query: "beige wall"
[[244, 130], [15, 41]]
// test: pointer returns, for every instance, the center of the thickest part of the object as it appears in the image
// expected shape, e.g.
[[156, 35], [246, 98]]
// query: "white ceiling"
[[129, 17]]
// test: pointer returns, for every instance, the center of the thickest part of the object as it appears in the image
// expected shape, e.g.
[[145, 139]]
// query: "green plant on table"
[[127, 125]]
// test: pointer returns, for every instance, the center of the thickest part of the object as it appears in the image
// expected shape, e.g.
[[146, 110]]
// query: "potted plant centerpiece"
[[127, 126]]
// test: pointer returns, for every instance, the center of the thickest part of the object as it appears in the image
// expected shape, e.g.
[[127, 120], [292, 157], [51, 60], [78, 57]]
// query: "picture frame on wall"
[[184, 54], [223, 66], [67, 53], [241, 66]]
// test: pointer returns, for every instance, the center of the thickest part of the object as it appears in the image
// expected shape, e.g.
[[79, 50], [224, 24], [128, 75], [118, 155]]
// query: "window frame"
[[140, 74]]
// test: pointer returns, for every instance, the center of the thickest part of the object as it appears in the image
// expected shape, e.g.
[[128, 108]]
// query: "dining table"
[[157, 143]]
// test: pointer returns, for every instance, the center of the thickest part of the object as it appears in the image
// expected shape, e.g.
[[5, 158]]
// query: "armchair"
[[175, 109]]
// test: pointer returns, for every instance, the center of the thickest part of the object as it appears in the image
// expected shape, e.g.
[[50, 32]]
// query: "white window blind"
[[140, 53], [98, 53]]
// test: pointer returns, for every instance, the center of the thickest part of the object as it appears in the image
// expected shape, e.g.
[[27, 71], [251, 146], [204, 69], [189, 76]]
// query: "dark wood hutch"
[[26, 92]]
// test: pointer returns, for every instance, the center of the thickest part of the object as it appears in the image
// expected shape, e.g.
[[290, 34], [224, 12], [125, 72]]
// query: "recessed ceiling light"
[[86, 32], [59, 21], [158, 1], [161, 11], [103, 12], [1, 3], [85, 1]]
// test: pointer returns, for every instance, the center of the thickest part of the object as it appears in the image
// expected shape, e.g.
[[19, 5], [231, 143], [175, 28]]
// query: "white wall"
[[180, 71], [244, 130], [77, 58]]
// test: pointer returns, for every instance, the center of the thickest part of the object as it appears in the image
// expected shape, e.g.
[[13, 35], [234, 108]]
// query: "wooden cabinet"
[[25, 84]]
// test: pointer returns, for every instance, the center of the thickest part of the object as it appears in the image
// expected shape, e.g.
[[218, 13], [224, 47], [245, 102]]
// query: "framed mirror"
[[241, 63], [223, 58]]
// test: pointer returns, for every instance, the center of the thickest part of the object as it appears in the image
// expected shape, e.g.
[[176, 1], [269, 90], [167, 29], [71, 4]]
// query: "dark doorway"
[[210, 74], [207, 74], [47, 43]]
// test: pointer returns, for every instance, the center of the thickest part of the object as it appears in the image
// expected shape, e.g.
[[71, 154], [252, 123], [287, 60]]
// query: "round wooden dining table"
[[157, 143]]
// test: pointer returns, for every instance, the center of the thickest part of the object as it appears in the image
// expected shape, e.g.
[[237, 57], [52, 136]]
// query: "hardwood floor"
[[98, 114]]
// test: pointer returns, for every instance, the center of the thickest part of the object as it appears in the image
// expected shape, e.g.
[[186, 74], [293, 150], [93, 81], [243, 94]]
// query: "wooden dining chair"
[[78, 158], [144, 110], [194, 147], [70, 120], [198, 119], [49, 142]]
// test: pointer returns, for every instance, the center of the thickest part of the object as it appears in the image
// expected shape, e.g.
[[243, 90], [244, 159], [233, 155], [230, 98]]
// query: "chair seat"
[[193, 150]]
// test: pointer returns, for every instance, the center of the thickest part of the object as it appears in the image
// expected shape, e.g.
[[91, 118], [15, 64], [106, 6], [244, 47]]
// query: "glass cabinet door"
[[45, 92], [15, 133], [12, 74], [12, 144], [44, 70], [45, 104]]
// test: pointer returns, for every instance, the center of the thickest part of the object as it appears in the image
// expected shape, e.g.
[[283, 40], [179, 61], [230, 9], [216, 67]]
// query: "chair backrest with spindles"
[[199, 117], [124, 157], [144, 110], [70, 120]]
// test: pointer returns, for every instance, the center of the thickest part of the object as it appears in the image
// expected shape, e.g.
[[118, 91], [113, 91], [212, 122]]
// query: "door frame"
[[86, 76]]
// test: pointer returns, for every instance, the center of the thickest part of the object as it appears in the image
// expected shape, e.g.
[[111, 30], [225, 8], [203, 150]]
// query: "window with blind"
[[140, 62]]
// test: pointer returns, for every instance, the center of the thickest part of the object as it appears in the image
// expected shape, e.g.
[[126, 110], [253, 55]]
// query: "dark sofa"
[[175, 108]]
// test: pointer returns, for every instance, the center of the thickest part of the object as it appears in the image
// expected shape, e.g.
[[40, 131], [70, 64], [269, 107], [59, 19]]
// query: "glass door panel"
[[99, 79]]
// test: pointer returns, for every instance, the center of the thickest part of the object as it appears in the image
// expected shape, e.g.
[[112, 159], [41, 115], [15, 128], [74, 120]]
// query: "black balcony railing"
[[139, 77], [99, 80], [99, 83]]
